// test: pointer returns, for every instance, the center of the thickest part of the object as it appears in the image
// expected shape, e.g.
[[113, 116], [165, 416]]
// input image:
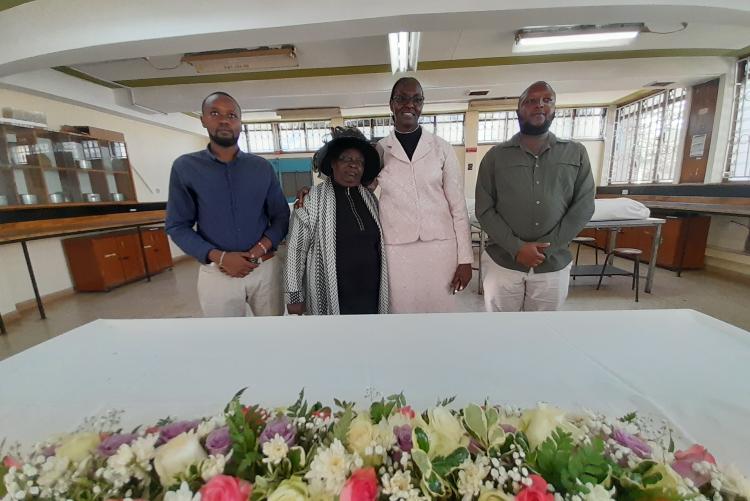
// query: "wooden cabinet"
[[80, 165], [103, 261], [680, 234]]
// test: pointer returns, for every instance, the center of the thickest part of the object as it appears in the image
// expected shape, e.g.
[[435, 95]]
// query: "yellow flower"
[[176, 456], [292, 489], [494, 495], [77, 446], [539, 423], [444, 432]]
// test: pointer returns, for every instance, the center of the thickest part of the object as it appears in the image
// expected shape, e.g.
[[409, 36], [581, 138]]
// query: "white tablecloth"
[[680, 364]]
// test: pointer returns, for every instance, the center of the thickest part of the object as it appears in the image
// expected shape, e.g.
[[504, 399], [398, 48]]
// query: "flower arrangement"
[[384, 452]]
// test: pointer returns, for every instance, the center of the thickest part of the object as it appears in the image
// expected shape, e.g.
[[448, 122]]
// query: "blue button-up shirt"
[[224, 206]]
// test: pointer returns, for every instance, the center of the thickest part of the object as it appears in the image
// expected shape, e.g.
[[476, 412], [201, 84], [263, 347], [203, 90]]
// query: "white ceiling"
[[110, 39]]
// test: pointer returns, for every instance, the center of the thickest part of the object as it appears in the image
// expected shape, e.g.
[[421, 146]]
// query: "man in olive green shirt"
[[534, 194]]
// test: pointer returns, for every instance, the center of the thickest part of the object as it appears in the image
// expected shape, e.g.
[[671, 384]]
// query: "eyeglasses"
[[357, 162], [416, 100]]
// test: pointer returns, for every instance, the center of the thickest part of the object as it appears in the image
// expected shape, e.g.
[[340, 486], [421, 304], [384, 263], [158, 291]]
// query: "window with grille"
[[303, 136], [374, 128], [257, 138], [738, 153], [647, 135], [497, 126], [569, 123], [450, 126]]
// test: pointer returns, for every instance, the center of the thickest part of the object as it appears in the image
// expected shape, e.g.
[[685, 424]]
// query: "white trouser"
[[511, 290], [257, 294]]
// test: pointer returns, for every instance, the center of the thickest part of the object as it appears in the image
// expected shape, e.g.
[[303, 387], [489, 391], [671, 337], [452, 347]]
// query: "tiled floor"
[[173, 294]]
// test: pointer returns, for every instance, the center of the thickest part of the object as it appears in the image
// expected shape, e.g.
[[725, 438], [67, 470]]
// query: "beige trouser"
[[257, 294], [511, 290]]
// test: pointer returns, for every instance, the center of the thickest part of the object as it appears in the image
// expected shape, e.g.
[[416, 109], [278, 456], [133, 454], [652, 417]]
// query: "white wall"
[[151, 149]]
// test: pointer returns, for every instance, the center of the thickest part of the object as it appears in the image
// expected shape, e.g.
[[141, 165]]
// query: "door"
[[161, 248], [699, 131], [106, 252], [151, 251]]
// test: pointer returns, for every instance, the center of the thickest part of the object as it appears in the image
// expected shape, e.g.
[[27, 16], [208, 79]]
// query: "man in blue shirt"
[[227, 210]]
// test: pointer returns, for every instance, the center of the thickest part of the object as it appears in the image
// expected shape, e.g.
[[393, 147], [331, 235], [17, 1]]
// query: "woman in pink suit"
[[422, 211]]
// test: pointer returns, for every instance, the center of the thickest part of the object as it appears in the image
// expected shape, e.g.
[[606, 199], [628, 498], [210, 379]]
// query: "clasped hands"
[[531, 254], [240, 264]]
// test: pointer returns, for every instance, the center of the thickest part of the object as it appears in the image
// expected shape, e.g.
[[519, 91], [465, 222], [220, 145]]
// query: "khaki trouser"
[[511, 290], [257, 294]]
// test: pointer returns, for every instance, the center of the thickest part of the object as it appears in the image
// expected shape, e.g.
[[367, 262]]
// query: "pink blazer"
[[423, 199]]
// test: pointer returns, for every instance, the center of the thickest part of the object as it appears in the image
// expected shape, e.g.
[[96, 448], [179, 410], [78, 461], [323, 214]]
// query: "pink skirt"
[[420, 276]]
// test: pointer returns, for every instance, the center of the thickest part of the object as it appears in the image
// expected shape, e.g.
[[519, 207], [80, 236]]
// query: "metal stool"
[[585, 240], [626, 253]]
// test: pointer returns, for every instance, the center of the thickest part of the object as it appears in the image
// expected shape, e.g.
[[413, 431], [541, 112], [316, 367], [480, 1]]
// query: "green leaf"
[[476, 422], [434, 485], [3, 472], [422, 461], [341, 428], [423, 442], [629, 417], [235, 398], [444, 466]]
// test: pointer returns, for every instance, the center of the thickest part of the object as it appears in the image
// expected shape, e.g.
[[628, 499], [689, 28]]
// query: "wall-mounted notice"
[[697, 145]]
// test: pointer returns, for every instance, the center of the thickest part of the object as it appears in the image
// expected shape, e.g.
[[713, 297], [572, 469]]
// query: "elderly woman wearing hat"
[[335, 262]]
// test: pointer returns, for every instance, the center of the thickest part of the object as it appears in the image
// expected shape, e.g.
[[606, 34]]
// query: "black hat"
[[333, 148]]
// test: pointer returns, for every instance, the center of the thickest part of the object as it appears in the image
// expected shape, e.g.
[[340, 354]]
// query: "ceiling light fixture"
[[558, 38], [241, 60], [404, 49]]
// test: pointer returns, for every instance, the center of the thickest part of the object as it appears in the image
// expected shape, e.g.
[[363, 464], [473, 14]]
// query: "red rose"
[[407, 411], [226, 488], [361, 486], [537, 491]]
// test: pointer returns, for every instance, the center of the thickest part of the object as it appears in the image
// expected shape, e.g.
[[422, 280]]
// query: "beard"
[[224, 141], [535, 130]]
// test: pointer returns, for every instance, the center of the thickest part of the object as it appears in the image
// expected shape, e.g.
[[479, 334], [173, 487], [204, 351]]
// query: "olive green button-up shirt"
[[521, 197]]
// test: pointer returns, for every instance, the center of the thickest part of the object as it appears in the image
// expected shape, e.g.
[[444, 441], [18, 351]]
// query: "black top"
[[409, 140], [357, 253]]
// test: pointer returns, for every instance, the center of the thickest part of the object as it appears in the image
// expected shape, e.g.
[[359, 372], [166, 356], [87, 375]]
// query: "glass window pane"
[[292, 136], [317, 133], [738, 154]]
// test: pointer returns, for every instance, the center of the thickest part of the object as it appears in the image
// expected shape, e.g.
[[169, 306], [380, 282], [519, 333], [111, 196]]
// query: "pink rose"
[[361, 486], [407, 411], [226, 488], [11, 462], [537, 491], [684, 461]]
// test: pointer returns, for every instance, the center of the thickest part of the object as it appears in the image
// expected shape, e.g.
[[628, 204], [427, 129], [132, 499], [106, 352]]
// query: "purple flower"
[[218, 441], [108, 446], [279, 426], [49, 451], [635, 444], [508, 428], [171, 430], [403, 437]]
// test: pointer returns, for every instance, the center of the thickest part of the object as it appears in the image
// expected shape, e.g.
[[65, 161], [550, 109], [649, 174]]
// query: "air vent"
[[477, 93], [659, 84]]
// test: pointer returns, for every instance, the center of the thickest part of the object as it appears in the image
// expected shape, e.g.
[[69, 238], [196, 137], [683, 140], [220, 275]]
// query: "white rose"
[[598, 493], [538, 424], [444, 431], [361, 434], [77, 446], [176, 456], [293, 489]]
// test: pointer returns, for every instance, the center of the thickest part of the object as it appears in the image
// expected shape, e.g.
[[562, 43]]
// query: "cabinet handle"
[[146, 246], [114, 254]]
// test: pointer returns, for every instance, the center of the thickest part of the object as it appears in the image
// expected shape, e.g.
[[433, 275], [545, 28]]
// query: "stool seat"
[[628, 251], [581, 240], [625, 252]]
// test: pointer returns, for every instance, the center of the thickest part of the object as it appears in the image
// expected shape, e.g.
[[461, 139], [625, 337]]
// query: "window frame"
[[659, 109], [740, 105]]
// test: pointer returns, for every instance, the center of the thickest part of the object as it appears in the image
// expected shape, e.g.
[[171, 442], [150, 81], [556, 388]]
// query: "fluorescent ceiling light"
[[404, 50], [242, 60], [558, 38]]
